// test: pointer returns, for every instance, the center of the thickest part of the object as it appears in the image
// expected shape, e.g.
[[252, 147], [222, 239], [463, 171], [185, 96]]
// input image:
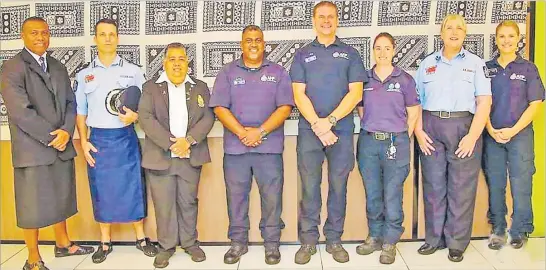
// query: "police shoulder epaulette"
[[80, 68]]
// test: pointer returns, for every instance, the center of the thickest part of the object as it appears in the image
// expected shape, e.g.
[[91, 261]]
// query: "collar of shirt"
[[118, 61], [518, 60], [395, 73], [37, 57], [163, 78], [240, 63], [440, 57], [316, 43]]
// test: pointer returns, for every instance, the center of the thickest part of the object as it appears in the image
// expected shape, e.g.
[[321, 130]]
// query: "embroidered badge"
[[393, 87], [520, 77], [89, 78], [343, 55], [431, 70], [239, 81], [266, 78], [200, 101]]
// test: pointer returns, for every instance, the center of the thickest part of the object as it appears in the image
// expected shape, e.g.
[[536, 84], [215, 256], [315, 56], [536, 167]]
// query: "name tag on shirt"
[[310, 58]]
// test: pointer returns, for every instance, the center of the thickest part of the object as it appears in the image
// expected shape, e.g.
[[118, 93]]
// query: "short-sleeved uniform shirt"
[[385, 102], [93, 84], [513, 88], [252, 95], [327, 73], [452, 85]]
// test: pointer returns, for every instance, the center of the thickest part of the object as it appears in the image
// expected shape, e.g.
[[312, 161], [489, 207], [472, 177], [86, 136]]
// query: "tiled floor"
[[477, 256]]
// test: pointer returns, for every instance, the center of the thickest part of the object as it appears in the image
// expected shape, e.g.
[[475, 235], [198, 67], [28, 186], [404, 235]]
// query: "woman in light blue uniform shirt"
[[456, 100]]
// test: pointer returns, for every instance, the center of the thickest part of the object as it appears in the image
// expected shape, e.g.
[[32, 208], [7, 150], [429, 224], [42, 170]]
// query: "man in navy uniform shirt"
[[252, 97], [327, 79]]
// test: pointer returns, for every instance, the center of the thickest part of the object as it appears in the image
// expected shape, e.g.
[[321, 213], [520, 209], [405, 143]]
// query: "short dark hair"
[[252, 27], [385, 35], [324, 3], [32, 19], [174, 45], [106, 21]]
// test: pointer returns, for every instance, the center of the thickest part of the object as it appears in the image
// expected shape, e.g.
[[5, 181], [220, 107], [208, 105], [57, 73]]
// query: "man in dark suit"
[[175, 116], [41, 111]]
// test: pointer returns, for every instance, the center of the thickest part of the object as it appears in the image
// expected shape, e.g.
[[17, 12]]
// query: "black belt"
[[447, 115], [381, 136]]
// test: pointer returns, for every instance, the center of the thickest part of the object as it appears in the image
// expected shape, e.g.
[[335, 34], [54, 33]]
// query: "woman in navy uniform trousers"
[[383, 150], [456, 100], [508, 143]]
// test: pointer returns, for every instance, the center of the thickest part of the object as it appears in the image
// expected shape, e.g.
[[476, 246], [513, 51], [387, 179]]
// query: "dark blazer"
[[153, 114], [37, 103]]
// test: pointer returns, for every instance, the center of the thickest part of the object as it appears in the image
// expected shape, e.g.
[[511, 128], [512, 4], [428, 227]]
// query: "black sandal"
[[149, 249], [101, 254], [65, 251]]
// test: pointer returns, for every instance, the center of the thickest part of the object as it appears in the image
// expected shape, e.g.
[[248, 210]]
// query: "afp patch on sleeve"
[[489, 72]]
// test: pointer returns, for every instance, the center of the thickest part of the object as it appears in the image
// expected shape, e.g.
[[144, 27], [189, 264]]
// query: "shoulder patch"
[[75, 85]]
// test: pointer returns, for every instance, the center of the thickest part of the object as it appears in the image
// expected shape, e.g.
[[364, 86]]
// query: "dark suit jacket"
[[153, 111], [37, 103]]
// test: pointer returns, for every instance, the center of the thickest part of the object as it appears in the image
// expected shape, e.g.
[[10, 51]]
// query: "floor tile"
[[472, 258], [359, 261], [531, 256], [7, 251], [122, 257], [18, 261], [255, 259], [215, 259]]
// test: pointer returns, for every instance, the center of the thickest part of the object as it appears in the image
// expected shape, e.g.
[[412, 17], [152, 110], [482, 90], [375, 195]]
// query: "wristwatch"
[[263, 133], [191, 140], [332, 119]]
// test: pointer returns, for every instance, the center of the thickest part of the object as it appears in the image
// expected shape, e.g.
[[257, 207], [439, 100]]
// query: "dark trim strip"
[[532, 14]]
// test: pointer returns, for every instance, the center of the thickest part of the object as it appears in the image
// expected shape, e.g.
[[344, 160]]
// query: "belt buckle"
[[380, 136], [445, 115]]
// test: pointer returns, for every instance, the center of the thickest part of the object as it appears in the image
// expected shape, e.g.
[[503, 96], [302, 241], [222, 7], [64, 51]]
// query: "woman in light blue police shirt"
[[456, 100]]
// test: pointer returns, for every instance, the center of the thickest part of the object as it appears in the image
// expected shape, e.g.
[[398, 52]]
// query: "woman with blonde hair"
[[456, 100], [508, 143]]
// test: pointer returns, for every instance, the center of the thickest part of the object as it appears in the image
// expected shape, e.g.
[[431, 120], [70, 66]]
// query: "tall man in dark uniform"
[[176, 118], [252, 97], [42, 114], [327, 79]]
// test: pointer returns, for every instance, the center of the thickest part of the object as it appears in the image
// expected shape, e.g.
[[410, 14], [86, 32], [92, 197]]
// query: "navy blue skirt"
[[116, 182]]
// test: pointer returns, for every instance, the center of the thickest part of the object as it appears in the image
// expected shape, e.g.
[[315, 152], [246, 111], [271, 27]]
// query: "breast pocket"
[[468, 77], [125, 82], [90, 87]]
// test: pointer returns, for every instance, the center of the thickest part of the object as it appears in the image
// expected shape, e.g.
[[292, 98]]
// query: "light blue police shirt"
[[93, 84], [452, 85]]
